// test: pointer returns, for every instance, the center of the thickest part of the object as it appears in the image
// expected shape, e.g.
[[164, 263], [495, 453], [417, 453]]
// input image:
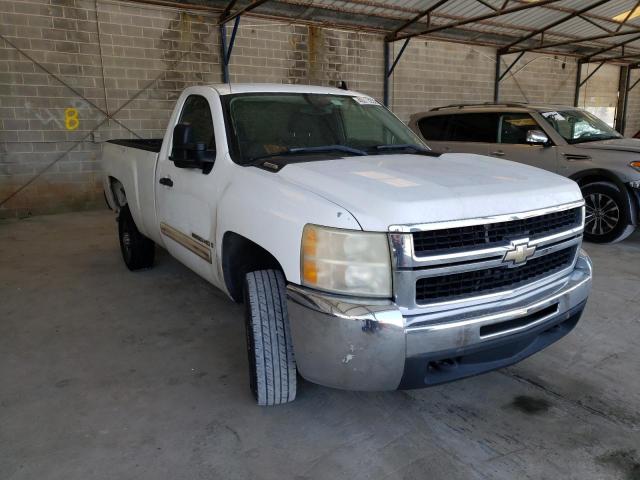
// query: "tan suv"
[[564, 140]]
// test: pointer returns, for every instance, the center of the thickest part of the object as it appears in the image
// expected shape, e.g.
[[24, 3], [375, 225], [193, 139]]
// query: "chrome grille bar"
[[409, 267]]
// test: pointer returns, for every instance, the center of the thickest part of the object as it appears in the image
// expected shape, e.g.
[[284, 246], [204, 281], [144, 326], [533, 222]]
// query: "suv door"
[[512, 145], [460, 132]]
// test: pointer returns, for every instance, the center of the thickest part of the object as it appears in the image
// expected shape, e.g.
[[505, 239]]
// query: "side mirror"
[[537, 137], [186, 153]]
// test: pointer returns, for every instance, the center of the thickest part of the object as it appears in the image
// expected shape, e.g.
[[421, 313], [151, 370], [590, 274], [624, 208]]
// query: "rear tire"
[[606, 213], [137, 250], [272, 366]]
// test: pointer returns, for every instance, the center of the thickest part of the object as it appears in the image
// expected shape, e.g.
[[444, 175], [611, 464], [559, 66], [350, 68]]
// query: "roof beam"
[[248, 8], [479, 18], [594, 23], [575, 40], [617, 57], [416, 18], [553, 24], [488, 5], [228, 8], [607, 49], [628, 16]]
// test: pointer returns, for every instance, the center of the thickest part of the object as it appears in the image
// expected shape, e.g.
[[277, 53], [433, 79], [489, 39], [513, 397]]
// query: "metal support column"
[[499, 76], [496, 79], [225, 51], [388, 69], [576, 95], [623, 95], [579, 83], [629, 86], [385, 78]]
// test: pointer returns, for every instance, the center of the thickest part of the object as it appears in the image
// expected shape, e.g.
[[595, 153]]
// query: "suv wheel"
[[606, 218]]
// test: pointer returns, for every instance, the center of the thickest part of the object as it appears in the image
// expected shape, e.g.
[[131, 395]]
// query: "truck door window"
[[514, 127], [197, 112], [434, 128], [473, 127]]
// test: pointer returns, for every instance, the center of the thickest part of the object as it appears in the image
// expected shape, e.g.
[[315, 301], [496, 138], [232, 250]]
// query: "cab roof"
[[232, 88]]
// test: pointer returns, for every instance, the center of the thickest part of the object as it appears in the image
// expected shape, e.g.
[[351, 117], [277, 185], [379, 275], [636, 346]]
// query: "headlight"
[[346, 261], [635, 165]]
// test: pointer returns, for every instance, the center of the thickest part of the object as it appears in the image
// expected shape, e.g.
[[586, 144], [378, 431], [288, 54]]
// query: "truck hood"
[[385, 190], [617, 144]]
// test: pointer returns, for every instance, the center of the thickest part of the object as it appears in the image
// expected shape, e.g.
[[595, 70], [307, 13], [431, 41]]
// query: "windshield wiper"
[[405, 146], [304, 150]]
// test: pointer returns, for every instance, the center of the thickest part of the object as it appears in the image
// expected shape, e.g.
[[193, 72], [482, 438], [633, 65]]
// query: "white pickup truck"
[[365, 261]]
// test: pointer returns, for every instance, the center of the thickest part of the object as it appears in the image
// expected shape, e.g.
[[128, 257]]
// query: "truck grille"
[[491, 234], [482, 282]]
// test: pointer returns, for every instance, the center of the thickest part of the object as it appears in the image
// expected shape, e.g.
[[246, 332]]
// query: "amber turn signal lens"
[[310, 272], [309, 241]]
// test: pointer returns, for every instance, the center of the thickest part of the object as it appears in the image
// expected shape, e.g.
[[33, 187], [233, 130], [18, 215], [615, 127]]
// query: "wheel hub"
[[603, 214]]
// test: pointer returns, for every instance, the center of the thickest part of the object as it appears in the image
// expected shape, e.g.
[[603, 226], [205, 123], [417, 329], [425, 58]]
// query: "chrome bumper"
[[369, 345]]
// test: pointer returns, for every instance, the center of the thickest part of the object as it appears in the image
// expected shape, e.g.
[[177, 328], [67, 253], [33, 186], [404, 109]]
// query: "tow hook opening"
[[444, 365]]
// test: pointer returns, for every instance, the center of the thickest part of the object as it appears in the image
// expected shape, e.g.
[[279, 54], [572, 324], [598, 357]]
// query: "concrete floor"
[[108, 374]]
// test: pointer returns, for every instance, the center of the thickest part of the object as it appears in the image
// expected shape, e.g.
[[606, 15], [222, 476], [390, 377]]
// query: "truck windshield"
[[263, 125], [578, 126]]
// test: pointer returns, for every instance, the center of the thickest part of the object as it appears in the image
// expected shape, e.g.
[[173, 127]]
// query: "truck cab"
[[365, 261]]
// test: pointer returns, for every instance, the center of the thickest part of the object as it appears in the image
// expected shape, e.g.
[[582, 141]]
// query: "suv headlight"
[[347, 262], [635, 165]]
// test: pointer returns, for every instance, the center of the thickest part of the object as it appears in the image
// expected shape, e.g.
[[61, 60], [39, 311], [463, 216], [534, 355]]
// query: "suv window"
[[434, 128], [461, 127], [473, 127], [514, 127], [197, 113]]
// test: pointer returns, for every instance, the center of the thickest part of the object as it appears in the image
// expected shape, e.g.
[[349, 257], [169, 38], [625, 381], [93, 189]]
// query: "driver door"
[[184, 196]]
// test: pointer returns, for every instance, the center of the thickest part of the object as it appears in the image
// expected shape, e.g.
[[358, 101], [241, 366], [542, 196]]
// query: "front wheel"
[[272, 367], [606, 219]]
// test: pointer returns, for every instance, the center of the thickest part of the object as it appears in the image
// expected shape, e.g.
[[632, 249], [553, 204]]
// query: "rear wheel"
[[137, 250], [606, 213], [272, 367]]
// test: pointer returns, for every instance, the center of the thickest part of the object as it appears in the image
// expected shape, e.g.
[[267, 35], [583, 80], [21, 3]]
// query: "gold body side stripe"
[[187, 242]]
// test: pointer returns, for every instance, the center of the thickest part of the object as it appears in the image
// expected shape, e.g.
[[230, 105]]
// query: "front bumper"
[[358, 345]]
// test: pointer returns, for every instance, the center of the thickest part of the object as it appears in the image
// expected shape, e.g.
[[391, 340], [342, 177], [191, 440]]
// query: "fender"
[[272, 213], [594, 175]]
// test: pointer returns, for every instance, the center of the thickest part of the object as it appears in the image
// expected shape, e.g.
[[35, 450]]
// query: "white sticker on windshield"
[[553, 115], [365, 100]]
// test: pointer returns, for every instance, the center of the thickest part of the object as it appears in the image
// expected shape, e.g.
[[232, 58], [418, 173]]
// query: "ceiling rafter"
[[554, 24], [477, 19]]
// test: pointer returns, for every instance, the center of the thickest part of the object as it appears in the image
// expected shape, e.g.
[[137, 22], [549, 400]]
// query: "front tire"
[[272, 366], [606, 213], [137, 250]]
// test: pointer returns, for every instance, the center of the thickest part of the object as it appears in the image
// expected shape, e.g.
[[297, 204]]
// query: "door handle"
[[498, 153], [166, 181]]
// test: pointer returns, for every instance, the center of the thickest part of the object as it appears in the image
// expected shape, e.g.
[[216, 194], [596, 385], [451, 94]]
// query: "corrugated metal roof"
[[506, 28], [500, 26]]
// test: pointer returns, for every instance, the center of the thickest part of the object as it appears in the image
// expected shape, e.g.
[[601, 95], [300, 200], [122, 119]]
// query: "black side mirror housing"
[[186, 153]]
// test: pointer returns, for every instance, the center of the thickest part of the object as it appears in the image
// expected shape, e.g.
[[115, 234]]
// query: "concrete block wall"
[[632, 125], [121, 67], [432, 73], [538, 79]]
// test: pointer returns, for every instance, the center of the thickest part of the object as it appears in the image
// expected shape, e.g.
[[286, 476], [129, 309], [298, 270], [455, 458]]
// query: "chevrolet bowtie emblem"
[[519, 253]]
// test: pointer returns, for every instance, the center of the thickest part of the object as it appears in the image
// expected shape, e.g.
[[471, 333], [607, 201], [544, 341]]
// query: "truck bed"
[[148, 144], [133, 164]]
